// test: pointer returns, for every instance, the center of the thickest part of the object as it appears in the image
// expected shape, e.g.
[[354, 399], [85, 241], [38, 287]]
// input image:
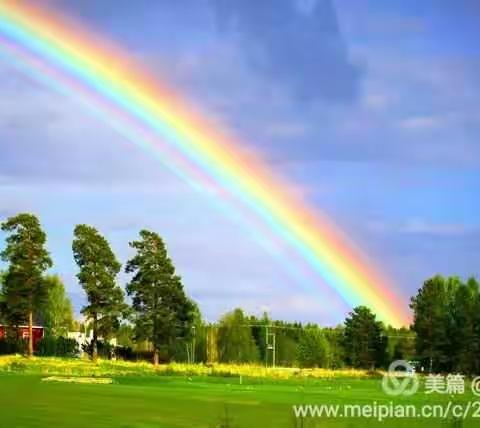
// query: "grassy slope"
[[166, 401]]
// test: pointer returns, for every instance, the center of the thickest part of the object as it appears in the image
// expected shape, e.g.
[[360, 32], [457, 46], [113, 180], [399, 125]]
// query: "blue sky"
[[370, 107]]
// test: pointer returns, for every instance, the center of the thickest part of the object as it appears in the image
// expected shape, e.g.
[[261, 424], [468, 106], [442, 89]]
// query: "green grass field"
[[179, 401]]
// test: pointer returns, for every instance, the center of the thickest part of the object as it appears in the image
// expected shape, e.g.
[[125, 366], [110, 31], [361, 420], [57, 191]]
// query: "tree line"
[[161, 319], [160, 311], [447, 324]]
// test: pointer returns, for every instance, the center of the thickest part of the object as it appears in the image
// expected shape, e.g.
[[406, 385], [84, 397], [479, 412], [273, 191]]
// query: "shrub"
[[51, 346], [104, 349], [13, 346], [128, 354], [124, 353]]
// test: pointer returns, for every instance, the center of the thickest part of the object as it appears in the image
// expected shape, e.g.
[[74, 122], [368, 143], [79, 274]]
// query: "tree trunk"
[[155, 357], [94, 340], [30, 334]]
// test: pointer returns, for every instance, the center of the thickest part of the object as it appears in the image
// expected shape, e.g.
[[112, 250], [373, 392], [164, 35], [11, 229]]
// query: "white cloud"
[[422, 227], [420, 123]]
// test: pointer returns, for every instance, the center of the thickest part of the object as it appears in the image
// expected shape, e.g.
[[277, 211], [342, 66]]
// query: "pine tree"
[[364, 340], [162, 311], [98, 268], [23, 283], [431, 322]]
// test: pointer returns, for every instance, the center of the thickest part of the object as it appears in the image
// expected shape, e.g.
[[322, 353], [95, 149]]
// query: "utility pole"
[[270, 345], [274, 350], [193, 343], [266, 346]]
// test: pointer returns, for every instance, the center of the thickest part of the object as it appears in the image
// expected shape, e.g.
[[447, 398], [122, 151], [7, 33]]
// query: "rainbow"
[[68, 58]]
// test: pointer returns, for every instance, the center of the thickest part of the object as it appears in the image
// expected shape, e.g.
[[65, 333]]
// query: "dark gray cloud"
[[298, 46]]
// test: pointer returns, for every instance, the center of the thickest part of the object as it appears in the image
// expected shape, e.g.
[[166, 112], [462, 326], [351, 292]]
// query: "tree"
[[98, 268], [191, 347], [447, 324], [259, 330], [235, 340], [3, 307], [401, 343], [56, 311], [162, 311], [334, 338], [24, 285], [313, 349], [125, 336], [287, 338], [430, 307], [464, 342], [475, 354], [364, 341]]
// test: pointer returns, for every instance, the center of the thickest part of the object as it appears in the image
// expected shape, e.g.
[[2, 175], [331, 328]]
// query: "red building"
[[22, 332]]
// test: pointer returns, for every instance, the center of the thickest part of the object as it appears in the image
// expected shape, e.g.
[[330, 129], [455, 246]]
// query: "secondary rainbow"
[[152, 116]]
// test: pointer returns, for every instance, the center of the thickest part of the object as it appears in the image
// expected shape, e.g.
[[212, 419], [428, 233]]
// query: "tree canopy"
[[162, 311], [364, 341], [313, 349], [235, 340], [446, 320], [28, 259], [56, 311], [98, 269]]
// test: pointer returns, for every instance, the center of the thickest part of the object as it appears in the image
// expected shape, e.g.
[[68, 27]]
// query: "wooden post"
[[30, 334]]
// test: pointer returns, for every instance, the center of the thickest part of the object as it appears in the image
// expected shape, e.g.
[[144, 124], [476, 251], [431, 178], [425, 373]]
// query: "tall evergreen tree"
[[364, 340], [98, 268], [28, 259], [431, 322], [162, 311]]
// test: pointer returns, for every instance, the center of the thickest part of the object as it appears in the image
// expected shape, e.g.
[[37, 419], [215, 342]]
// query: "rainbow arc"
[[63, 55]]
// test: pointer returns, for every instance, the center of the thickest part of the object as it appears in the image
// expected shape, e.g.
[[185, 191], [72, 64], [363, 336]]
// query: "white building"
[[83, 339]]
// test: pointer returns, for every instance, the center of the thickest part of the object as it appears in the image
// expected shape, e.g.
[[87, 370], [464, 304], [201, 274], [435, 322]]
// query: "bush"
[[104, 349], [57, 347], [13, 346], [128, 354], [124, 353]]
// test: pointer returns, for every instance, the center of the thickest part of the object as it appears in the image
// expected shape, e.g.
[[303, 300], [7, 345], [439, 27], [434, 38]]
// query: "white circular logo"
[[400, 379], [476, 386]]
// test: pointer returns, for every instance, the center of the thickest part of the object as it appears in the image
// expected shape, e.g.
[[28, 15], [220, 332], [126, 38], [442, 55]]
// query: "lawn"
[[179, 401], [181, 395]]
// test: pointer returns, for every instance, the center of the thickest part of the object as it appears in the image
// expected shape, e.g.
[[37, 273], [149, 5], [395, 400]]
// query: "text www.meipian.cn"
[[381, 412]]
